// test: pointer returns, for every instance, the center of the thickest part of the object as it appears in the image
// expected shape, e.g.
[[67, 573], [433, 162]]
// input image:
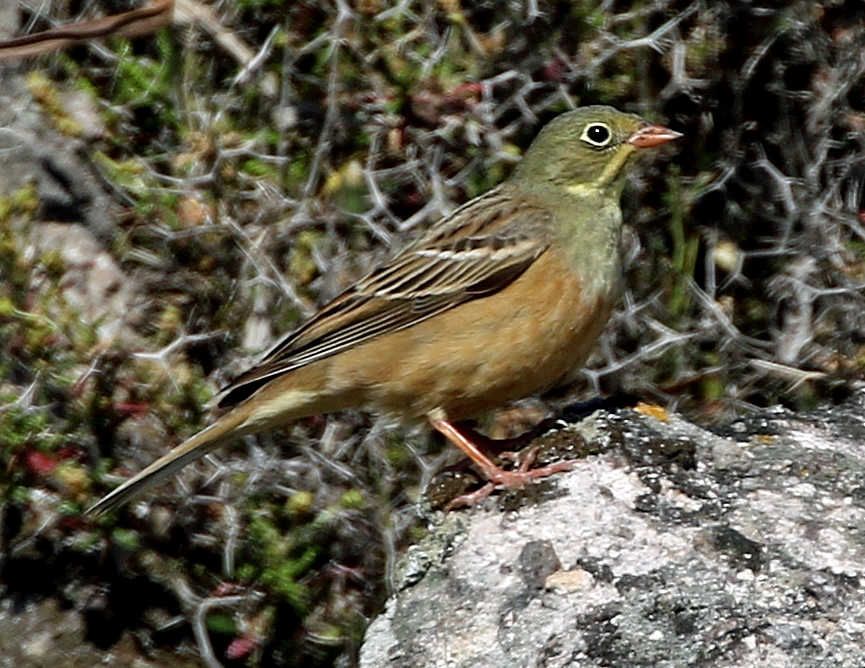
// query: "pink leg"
[[471, 442]]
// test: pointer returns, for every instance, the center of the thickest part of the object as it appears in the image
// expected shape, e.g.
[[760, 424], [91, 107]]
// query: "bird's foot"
[[469, 499], [510, 480], [471, 442]]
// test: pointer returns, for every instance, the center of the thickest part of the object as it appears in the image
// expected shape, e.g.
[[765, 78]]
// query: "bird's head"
[[589, 148]]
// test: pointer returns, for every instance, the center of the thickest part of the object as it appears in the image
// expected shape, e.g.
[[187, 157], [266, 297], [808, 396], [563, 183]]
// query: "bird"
[[502, 299]]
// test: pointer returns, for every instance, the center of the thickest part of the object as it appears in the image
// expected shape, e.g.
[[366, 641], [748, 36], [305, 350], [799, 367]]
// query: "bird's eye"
[[597, 134]]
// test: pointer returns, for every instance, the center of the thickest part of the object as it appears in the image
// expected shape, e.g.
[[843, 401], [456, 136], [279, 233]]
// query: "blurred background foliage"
[[240, 199]]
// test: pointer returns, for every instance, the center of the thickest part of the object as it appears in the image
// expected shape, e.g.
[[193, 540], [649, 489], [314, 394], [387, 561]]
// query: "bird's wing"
[[476, 251]]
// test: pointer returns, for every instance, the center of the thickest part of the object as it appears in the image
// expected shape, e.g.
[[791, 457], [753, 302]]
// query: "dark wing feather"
[[476, 251]]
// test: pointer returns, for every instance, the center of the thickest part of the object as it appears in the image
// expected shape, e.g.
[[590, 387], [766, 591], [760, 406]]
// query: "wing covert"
[[478, 250]]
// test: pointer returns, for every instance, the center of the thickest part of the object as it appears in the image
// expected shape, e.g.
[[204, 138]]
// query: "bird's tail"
[[228, 428]]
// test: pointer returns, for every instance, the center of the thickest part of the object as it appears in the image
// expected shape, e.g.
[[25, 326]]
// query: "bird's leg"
[[471, 498], [508, 446], [472, 443]]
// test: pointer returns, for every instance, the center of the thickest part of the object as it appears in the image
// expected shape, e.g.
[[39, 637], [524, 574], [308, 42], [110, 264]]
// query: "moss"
[[46, 95], [127, 539], [281, 561], [259, 169], [30, 453], [127, 173], [352, 500], [299, 505], [74, 480], [24, 202], [222, 624], [302, 264], [146, 84]]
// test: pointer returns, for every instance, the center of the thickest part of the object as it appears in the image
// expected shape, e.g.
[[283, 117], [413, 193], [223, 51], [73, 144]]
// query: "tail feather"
[[224, 430], [284, 399]]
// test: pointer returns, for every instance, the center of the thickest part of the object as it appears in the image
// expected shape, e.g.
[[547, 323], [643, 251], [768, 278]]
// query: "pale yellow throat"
[[612, 169]]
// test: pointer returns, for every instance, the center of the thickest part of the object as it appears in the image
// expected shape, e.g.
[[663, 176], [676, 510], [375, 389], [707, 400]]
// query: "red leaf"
[[241, 647], [40, 463]]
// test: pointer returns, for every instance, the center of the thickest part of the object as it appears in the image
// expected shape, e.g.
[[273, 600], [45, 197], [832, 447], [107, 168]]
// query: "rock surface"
[[74, 217], [47, 633], [675, 546]]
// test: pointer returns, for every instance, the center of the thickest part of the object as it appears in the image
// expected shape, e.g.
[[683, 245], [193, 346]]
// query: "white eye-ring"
[[597, 134]]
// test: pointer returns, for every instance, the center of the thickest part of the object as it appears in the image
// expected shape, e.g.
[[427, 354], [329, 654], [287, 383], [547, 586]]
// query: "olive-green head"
[[590, 147]]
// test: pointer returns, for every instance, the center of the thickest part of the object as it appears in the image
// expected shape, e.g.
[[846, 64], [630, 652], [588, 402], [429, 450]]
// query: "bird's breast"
[[590, 237], [525, 339]]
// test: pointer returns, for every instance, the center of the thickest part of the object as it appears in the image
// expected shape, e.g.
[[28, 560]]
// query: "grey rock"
[[74, 216], [676, 546], [92, 280], [68, 187]]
